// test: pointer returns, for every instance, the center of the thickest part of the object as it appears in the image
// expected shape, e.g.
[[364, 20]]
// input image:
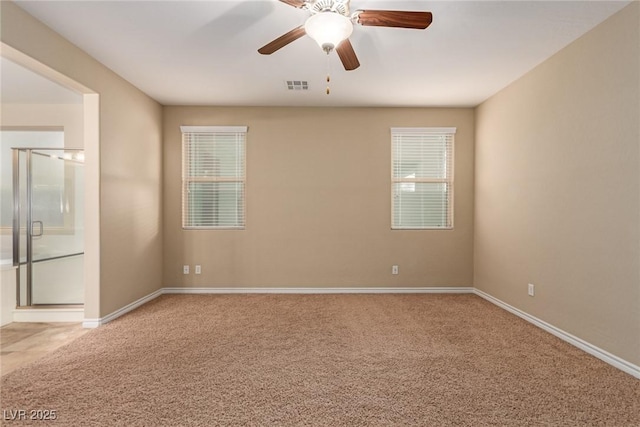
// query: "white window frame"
[[409, 183], [187, 179]]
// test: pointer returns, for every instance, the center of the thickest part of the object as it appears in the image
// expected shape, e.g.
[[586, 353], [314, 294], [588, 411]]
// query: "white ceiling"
[[19, 85], [205, 52]]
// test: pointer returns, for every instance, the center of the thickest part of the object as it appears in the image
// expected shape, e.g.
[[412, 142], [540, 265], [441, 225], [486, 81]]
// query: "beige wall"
[[557, 189], [7, 294], [318, 203], [69, 116], [130, 162]]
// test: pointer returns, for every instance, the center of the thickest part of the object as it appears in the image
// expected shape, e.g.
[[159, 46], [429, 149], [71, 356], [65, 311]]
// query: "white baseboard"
[[583, 345], [48, 315], [94, 323], [336, 290], [91, 323], [601, 354]]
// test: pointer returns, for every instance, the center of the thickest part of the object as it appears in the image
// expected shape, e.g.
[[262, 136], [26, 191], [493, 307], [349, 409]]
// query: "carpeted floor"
[[330, 360]]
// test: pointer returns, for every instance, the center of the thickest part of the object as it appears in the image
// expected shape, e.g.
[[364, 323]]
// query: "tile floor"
[[22, 343]]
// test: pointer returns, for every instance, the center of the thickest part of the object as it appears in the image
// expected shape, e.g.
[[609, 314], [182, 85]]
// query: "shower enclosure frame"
[[17, 211]]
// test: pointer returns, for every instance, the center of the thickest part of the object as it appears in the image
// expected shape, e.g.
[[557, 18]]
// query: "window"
[[422, 178], [213, 176]]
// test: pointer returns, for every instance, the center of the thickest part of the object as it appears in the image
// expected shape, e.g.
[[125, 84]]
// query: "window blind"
[[422, 177], [213, 176]]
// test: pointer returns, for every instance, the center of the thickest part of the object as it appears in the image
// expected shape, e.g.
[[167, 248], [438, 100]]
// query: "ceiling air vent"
[[297, 84]]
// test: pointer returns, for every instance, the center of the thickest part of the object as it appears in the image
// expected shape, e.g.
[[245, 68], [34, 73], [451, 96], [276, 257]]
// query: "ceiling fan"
[[331, 24]]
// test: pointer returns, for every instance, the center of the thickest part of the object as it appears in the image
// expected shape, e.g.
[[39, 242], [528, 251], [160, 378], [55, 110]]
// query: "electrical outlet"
[[185, 269], [198, 269], [531, 290], [394, 269]]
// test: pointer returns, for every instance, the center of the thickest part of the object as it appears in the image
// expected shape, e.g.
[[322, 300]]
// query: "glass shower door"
[[51, 215]]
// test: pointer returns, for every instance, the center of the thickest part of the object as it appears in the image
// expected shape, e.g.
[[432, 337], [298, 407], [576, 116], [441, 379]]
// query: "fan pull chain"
[[328, 74]]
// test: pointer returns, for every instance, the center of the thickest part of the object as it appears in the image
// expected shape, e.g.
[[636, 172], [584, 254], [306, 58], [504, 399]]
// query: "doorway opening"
[[50, 140]]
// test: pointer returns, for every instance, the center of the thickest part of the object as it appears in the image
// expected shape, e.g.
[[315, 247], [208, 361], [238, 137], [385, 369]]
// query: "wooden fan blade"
[[347, 55], [294, 3], [394, 18], [283, 40]]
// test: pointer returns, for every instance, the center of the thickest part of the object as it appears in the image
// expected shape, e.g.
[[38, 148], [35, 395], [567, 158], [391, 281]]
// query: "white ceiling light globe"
[[328, 29]]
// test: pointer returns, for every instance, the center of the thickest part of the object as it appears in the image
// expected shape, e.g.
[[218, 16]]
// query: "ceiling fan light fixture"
[[328, 29]]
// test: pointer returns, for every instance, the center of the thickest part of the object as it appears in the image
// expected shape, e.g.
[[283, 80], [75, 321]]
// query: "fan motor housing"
[[337, 6]]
